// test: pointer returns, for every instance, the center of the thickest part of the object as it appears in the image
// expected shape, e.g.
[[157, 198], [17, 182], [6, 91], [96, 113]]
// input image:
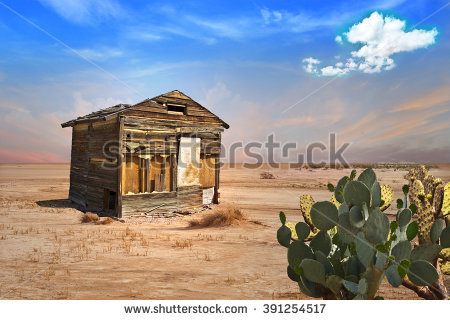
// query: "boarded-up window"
[[189, 162], [208, 171], [145, 173]]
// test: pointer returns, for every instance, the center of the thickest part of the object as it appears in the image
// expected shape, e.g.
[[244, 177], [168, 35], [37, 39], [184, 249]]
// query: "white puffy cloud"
[[381, 37], [310, 64]]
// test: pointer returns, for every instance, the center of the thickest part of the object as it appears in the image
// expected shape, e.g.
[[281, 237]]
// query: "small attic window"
[[176, 109]]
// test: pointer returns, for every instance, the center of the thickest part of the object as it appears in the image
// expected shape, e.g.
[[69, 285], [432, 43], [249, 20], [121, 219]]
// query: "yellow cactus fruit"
[[429, 196], [387, 195], [446, 201], [306, 202]]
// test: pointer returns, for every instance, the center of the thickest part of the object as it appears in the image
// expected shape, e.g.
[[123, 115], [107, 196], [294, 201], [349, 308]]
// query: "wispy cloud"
[[86, 11], [12, 106], [300, 21], [100, 54], [433, 98], [295, 121], [378, 127], [261, 23], [381, 37]]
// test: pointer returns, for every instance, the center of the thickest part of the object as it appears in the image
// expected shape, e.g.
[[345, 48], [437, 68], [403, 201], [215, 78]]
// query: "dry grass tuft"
[[89, 217], [222, 215], [187, 243], [266, 175]]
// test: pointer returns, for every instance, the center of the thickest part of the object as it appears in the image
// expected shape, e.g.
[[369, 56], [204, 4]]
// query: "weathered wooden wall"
[[79, 164], [91, 170]]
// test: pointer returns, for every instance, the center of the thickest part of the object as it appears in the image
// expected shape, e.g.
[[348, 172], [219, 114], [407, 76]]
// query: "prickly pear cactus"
[[306, 202], [352, 263], [387, 196], [425, 217], [433, 202], [444, 260]]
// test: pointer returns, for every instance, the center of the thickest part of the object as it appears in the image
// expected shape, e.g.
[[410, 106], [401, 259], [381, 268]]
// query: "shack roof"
[[156, 103]]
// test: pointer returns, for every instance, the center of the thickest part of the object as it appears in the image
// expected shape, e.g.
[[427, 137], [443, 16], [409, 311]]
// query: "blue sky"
[[378, 84]]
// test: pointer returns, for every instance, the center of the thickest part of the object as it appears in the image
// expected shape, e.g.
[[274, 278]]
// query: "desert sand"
[[46, 253]]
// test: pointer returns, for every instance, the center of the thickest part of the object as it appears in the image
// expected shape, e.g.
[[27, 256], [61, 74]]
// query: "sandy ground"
[[46, 253]]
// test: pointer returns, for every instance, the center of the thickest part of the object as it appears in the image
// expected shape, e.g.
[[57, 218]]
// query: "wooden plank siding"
[[183, 199], [101, 176]]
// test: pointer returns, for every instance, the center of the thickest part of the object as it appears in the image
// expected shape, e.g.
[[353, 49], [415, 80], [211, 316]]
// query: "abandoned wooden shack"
[[160, 155]]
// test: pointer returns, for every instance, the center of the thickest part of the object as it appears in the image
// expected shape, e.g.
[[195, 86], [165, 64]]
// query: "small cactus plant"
[[352, 262]]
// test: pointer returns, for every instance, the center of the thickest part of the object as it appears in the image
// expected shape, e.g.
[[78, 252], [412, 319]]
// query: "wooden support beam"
[[141, 175], [216, 187], [172, 162], [164, 171], [119, 171], [147, 176]]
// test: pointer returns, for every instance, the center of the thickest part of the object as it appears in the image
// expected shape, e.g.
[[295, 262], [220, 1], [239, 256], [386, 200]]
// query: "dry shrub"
[[89, 217], [266, 175], [106, 220], [222, 215]]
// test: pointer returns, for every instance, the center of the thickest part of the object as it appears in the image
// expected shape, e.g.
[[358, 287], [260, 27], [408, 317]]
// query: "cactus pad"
[[444, 261], [415, 189], [387, 195], [421, 173], [334, 201], [291, 225], [294, 236], [429, 185], [446, 201], [306, 202], [425, 220], [438, 199]]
